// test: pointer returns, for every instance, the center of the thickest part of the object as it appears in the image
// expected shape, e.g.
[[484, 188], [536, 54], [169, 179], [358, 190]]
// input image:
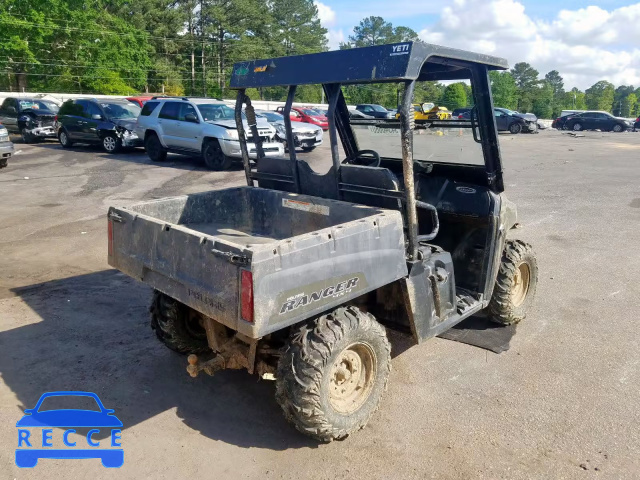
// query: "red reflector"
[[110, 235], [247, 296]]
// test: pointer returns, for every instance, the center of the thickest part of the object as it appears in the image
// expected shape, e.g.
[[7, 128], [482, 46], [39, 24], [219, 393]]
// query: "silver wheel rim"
[[109, 144], [617, 128], [577, 127], [63, 138]]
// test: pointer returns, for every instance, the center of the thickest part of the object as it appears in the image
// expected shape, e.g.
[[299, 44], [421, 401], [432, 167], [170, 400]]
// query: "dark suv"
[[33, 118], [109, 123], [375, 111]]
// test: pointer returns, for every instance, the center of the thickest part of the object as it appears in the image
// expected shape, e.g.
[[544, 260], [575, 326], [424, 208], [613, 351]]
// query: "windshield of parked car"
[[272, 116], [121, 110], [38, 105], [310, 112], [216, 111], [66, 402], [378, 108]]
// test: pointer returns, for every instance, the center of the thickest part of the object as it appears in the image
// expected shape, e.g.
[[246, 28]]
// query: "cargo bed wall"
[[256, 211], [294, 245]]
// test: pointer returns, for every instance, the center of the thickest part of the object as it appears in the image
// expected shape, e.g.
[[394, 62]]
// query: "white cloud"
[[584, 45], [326, 14], [335, 37]]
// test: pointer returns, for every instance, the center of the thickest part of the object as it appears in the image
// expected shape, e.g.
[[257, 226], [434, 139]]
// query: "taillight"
[[110, 237], [246, 295]]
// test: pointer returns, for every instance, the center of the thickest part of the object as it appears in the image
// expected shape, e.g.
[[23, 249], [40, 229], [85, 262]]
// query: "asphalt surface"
[[563, 402]]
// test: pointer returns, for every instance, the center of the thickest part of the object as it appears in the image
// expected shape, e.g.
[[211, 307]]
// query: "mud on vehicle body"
[[297, 274]]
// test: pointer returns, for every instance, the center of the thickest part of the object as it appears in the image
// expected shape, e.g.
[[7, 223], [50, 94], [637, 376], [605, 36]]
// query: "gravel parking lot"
[[564, 402]]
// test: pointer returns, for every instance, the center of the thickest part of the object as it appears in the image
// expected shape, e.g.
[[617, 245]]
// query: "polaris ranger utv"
[[297, 275]]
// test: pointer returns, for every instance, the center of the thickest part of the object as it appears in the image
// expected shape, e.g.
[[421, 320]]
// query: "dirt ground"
[[564, 402]]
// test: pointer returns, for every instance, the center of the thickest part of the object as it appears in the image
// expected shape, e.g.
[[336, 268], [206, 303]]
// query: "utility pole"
[[204, 72]]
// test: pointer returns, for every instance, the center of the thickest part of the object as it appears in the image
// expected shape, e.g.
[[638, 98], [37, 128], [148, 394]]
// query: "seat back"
[[373, 186]]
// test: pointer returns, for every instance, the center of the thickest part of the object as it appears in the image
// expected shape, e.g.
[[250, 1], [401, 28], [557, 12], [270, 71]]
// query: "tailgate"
[[198, 270]]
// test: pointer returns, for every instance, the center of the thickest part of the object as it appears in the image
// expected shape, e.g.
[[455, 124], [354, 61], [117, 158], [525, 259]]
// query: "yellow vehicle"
[[438, 113], [429, 111]]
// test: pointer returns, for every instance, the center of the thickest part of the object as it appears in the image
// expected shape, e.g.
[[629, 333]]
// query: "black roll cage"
[[423, 62]]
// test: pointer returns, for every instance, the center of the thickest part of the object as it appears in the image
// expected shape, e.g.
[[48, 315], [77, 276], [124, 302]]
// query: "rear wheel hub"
[[521, 281], [352, 378]]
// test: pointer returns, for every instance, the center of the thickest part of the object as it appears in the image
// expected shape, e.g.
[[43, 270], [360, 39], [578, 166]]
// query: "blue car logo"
[[32, 447]]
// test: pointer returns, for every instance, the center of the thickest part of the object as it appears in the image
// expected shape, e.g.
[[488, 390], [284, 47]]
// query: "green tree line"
[[522, 89], [188, 47], [126, 46]]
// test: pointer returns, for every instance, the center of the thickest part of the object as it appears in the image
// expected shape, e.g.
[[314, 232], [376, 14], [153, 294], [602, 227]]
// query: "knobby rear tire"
[[176, 326], [304, 380]]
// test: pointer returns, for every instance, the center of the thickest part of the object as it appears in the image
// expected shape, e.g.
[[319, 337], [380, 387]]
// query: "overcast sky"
[[585, 41]]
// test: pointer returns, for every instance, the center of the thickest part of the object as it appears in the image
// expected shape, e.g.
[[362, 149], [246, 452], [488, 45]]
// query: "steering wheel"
[[366, 158]]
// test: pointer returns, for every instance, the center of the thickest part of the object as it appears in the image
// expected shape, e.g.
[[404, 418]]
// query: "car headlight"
[[233, 134], [4, 131]]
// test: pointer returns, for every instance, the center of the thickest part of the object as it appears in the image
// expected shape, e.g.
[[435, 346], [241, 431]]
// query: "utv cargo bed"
[[256, 260]]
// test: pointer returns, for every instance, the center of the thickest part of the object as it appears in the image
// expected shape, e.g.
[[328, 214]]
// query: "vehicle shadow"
[[94, 335]]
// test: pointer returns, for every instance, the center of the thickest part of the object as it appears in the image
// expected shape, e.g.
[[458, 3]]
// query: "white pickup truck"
[[201, 127]]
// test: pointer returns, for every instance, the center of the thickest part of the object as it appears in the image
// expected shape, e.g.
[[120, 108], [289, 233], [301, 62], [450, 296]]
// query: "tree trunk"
[[221, 61], [21, 81], [193, 60]]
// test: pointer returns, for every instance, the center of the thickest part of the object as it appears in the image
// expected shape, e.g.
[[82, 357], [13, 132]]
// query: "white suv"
[[202, 127]]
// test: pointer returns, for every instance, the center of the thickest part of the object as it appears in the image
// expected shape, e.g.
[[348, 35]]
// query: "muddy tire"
[[176, 325], [333, 372], [155, 150], [515, 285], [64, 139], [213, 156]]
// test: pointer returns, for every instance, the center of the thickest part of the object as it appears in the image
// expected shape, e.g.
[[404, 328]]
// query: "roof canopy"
[[381, 63]]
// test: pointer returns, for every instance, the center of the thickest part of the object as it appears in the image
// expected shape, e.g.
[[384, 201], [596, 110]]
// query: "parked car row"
[[202, 127], [594, 120], [206, 127]]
